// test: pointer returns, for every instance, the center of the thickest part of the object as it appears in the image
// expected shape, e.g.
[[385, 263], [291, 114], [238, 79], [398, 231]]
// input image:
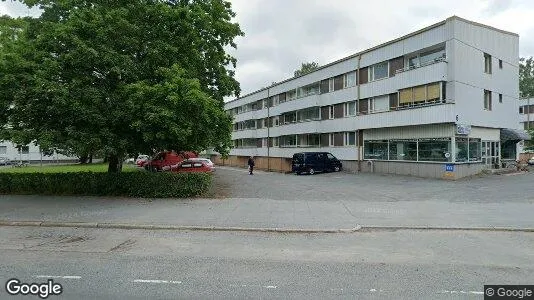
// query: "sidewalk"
[[267, 213]]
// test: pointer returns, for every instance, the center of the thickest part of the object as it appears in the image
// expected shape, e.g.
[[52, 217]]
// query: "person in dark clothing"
[[251, 165]]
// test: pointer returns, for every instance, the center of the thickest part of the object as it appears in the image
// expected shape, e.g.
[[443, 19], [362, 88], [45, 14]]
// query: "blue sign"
[[449, 167]]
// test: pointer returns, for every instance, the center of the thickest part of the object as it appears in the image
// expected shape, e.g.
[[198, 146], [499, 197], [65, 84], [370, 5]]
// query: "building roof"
[[378, 47]]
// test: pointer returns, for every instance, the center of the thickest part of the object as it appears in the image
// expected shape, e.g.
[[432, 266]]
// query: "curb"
[[359, 228]]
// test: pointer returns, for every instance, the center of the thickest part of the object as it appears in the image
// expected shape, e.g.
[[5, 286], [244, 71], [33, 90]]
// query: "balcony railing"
[[434, 61]]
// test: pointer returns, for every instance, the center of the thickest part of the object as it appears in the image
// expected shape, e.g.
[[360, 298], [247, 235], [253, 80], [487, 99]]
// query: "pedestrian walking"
[[251, 165]]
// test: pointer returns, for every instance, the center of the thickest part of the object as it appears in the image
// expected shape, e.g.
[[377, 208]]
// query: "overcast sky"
[[281, 34]]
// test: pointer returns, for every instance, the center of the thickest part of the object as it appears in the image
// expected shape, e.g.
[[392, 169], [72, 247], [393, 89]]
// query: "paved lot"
[[236, 183]]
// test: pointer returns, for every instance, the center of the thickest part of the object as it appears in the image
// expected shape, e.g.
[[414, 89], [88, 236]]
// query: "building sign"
[[463, 129], [449, 168]]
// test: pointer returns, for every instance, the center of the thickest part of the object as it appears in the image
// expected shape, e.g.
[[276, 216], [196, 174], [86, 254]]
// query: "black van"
[[311, 162]]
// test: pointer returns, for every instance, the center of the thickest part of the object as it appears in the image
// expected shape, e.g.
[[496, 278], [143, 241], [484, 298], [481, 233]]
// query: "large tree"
[[306, 68], [526, 77], [121, 76]]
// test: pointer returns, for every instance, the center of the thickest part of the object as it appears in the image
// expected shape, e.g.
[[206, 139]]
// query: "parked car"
[[208, 162], [142, 160], [531, 161], [164, 161], [4, 161], [192, 165], [311, 162], [130, 160]]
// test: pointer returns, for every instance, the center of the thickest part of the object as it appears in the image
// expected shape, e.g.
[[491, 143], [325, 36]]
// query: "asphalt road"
[[136, 264]]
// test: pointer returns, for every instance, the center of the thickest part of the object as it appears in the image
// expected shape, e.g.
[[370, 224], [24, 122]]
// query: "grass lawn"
[[64, 168]]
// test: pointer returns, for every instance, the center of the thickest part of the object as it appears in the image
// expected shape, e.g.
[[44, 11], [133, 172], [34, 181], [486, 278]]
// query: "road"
[[138, 264]]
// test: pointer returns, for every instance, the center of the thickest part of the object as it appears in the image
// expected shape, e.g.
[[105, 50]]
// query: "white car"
[[208, 162], [531, 161]]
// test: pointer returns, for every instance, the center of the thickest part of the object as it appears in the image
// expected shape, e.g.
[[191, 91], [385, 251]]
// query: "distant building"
[[526, 110], [442, 101], [30, 153]]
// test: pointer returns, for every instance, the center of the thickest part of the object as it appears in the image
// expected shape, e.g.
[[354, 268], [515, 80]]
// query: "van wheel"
[[311, 171], [337, 169], [298, 173]]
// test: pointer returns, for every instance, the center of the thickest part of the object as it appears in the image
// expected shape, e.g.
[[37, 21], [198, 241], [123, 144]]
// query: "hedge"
[[130, 184]]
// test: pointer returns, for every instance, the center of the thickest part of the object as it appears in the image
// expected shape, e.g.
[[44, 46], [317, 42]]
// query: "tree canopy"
[[526, 77], [306, 68], [122, 77]]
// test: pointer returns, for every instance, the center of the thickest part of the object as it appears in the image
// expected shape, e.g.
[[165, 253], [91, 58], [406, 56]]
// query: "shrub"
[[131, 184]]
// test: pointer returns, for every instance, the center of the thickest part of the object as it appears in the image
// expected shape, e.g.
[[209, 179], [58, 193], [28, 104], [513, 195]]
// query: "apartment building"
[[526, 110], [438, 102]]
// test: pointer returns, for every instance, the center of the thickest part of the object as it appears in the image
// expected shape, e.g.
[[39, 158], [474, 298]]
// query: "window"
[[378, 71], [500, 63], [462, 149], [3, 149], [487, 100], [331, 112], [273, 142], [430, 93], [259, 124], [338, 139], [520, 109], [288, 141], [324, 86], [434, 149], [350, 109], [433, 56], [350, 138], [475, 150], [403, 150], [338, 82], [349, 80], [378, 104], [500, 98], [375, 150], [23, 149], [291, 95], [290, 117], [309, 140], [487, 63], [331, 84]]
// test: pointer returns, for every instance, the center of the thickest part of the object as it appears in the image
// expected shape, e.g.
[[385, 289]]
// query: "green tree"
[[122, 77], [526, 77], [306, 68]]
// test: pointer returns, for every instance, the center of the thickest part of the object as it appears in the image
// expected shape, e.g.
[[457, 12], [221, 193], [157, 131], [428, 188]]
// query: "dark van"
[[311, 162]]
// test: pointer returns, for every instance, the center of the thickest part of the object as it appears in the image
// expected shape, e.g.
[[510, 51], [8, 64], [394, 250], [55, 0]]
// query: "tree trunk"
[[83, 159], [91, 158], [115, 164]]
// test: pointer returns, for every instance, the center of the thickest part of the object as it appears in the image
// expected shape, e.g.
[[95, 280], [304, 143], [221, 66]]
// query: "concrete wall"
[[277, 164], [426, 170]]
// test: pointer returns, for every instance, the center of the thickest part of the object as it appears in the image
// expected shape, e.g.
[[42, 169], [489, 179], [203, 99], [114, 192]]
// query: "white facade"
[[30, 152], [421, 86], [526, 111]]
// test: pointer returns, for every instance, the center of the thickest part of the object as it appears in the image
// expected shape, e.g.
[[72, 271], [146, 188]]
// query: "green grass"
[[64, 168]]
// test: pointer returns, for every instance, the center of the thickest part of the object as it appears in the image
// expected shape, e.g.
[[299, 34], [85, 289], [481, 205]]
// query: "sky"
[[282, 34]]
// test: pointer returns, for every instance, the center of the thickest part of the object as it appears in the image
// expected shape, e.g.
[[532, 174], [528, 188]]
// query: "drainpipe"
[[268, 132], [358, 131]]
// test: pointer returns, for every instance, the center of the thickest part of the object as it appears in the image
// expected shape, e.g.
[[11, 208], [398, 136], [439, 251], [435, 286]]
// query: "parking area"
[[236, 183]]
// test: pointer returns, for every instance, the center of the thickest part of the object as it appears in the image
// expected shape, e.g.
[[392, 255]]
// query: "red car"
[[192, 166], [164, 161]]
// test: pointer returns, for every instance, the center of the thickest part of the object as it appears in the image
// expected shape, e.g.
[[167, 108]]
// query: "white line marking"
[[270, 287], [372, 290], [55, 276], [461, 292], [156, 281]]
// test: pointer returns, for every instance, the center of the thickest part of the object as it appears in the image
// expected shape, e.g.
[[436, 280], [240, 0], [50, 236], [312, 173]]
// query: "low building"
[[30, 153], [438, 102]]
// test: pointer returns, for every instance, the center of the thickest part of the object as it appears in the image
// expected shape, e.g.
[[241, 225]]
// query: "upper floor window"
[[487, 63], [426, 58], [520, 109], [349, 80], [350, 108], [500, 63], [379, 71], [291, 95], [331, 112], [378, 104], [487, 100]]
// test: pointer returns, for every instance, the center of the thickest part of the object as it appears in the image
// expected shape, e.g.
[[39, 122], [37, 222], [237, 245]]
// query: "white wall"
[[33, 155]]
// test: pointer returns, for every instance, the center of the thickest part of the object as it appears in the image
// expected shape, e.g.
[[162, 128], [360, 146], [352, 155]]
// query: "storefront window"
[[402, 150], [475, 150], [434, 149], [461, 149], [376, 150]]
